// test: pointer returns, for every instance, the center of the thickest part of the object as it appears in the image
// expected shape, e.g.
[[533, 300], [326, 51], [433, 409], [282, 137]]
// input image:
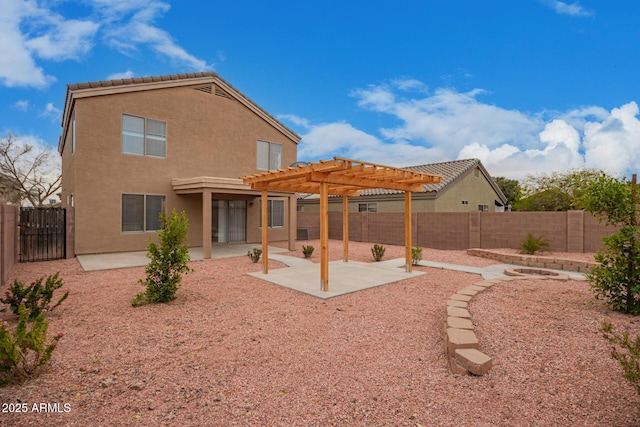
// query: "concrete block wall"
[[572, 231], [9, 219]]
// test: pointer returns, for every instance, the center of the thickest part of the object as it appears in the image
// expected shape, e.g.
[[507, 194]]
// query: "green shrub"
[[307, 251], [377, 251], [36, 297], [533, 244], [23, 353], [168, 261], [416, 255], [628, 355], [255, 254]]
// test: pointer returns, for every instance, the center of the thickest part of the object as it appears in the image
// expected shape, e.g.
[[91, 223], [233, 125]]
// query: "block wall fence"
[[569, 231], [9, 218]]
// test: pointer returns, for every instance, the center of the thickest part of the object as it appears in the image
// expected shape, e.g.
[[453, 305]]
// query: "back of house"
[[133, 148]]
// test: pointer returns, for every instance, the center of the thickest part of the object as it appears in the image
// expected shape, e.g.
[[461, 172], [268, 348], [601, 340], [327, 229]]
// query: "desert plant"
[[533, 244], [36, 297], [617, 276], [416, 255], [168, 261], [377, 251], [255, 254], [628, 353], [24, 352], [307, 251]]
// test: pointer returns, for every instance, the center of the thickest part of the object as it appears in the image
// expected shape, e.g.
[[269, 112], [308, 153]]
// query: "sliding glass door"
[[228, 221]]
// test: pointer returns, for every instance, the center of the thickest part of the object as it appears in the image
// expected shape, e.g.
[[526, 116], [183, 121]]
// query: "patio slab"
[[137, 259], [344, 277]]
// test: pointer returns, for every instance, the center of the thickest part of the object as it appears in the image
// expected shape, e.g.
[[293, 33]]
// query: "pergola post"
[[265, 232], [324, 236], [407, 231], [293, 203], [345, 228]]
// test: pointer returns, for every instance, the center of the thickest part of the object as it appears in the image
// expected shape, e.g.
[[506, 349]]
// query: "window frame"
[[270, 216], [369, 207], [146, 136], [144, 213], [271, 155]]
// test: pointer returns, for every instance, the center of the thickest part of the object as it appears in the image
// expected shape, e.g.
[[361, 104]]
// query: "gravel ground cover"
[[236, 351]]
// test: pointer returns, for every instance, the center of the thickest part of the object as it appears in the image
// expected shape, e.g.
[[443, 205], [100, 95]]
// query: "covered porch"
[[221, 197]]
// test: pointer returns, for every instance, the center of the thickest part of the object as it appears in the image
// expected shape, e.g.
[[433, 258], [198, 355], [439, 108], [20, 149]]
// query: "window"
[[483, 208], [269, 155], [73, 132], [275, 213], [141, 212], [465, 202], [367, 207], [144, 137]]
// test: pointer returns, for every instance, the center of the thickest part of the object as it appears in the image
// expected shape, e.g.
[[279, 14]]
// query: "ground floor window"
[[275, 213], [367, 207], [141, 212]]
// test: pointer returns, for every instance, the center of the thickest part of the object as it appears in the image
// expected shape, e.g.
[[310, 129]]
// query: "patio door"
[[228, 221]]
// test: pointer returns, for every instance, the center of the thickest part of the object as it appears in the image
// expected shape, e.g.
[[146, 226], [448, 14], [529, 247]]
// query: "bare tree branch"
[[32, 172]]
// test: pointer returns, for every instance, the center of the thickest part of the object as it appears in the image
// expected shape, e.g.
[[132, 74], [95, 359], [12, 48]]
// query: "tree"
[[558, 191], [27, 172], [617, 277], [509, 187]]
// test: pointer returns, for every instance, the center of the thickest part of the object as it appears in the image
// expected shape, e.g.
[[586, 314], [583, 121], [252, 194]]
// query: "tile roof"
[[451, 172]]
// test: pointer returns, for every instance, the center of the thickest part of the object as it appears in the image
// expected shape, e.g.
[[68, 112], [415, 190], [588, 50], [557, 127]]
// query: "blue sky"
[[527, 86]]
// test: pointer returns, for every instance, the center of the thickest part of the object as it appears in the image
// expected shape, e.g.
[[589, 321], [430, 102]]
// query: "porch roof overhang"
[[197, 185], [343, 177]]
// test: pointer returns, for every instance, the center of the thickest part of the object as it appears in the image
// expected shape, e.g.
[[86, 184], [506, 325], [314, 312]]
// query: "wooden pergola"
[[342, 177]]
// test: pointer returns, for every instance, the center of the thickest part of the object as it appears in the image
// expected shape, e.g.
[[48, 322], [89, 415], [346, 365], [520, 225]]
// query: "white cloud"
[[125, 75], [131, 24], [447, 125], [33, 31], [22, 105], [573, 9], [51, 112]]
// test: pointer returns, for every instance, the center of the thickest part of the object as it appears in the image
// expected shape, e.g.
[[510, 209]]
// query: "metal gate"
[[42, 234]]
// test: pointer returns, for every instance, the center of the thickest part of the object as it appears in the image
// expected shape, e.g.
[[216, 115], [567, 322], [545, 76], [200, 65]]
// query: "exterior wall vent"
[[205, 89], [220, 92]]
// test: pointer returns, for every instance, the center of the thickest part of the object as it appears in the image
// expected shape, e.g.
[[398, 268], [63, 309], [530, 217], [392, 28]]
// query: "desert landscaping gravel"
[[233, 350]]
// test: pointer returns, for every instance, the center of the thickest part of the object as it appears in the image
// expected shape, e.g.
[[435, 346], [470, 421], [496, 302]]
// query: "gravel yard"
[[235, 350]]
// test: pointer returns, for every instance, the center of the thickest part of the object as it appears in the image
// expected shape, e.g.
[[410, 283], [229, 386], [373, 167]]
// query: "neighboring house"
[[466, 186], [133, 148]]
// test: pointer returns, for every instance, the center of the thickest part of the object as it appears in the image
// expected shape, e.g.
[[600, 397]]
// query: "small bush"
[[628, 355], [23, 353], [307, 251], [377, 251], [36, 297], [533, 244], [255, 254], [168, 261], [416, 255]]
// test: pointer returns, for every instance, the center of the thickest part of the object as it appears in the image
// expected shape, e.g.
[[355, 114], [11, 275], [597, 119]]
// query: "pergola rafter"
[[343, 177]]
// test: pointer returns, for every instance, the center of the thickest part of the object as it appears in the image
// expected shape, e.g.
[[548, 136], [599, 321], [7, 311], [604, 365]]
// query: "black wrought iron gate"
[[42, 234]]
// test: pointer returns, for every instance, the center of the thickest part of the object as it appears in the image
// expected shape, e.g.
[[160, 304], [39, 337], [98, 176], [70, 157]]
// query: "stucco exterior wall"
[[206, 135], [473, 188]]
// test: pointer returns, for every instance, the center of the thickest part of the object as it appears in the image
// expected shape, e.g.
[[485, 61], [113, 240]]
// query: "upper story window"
[[144, 137], [73, 132], [269, 155]]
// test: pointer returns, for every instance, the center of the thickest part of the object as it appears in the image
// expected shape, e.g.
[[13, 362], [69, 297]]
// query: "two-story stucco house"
[[133, 148]]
